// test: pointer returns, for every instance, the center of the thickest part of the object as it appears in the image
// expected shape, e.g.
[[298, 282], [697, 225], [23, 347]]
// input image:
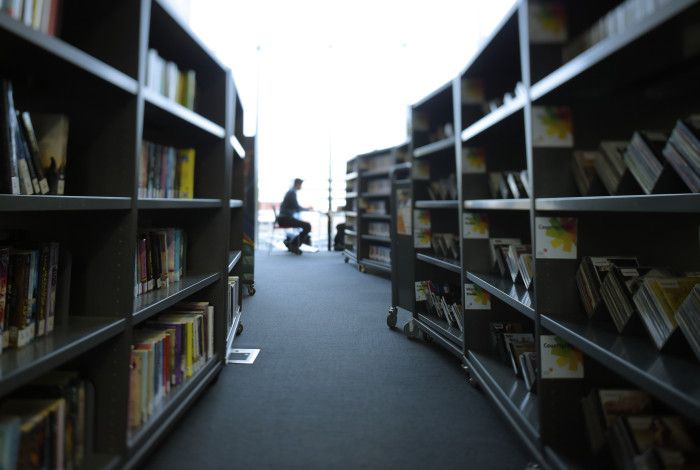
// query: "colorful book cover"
[[186, 166], [476, 298], [422, 234], [473, 91], [559, 359], [556, 237], [552, 126], [422, 289], [476, 225], [473, 160], [547, 23]]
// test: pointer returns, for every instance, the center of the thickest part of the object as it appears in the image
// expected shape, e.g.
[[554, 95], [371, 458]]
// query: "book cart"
[[94, 71], [565, 93], [371, 221]]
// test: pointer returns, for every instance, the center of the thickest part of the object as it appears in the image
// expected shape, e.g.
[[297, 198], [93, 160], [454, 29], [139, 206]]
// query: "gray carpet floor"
[[334, 388]]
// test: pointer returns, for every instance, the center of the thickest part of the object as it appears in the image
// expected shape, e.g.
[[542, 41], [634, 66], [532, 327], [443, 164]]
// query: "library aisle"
[[333, 387]]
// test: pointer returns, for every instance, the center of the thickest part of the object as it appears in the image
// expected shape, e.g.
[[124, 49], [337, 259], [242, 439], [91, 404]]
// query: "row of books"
[[637, 166], [509, 184], [625, 422], [443, 301], [516, 348], [166, 78], [618, 20], [380, 253], [166, 172], [48, 423], [378, 163], [443, 189], [618, 287], [167, 351], [33, 149], [42, 15], [445, 245], [513, 258], [378, 207], [380, 229], [379, 185], [160, 259], [28, 286]]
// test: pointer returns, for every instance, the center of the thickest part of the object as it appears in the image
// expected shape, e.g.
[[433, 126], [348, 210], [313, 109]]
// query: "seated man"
[[287, 217]]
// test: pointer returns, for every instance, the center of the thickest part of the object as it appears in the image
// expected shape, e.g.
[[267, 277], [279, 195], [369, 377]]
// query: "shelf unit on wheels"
[[639, 77], [351, 210], [240, 254], [374, 217], [98, 79]]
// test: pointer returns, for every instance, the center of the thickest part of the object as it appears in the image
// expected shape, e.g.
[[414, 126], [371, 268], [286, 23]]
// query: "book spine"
[[210, 331], [43, 291], [191, 87], [170, 234], [163, 247], [176, 254], [19, 289], [143, 171], [11, 177], [53, 286], [163, 185], [33, 146], [27, 158], [143, 269], [186, 161]]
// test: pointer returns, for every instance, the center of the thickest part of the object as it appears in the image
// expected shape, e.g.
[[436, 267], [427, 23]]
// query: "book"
[[33, 148], [497, 246], [516, 344], [657, 300], [688, 319], [497, 345], [9, 169], [526, 268], [513, 259], [186, 167], [610, 164], [601, 407], [644, 157], [559, 360], [589, 278], [686, 139], [528, 368], [583, 168], [682, 168], [52, 138]]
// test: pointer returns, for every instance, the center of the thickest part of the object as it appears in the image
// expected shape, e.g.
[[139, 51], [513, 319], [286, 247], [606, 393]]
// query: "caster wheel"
[[362, 268], [239, 329], [251, 291], [391, 318], [473, 382], [411, 330], [428, 339], [346, 260]]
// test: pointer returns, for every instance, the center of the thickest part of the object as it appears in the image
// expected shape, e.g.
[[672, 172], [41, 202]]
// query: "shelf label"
[[476, 298], [473, 160], [422, 289], [559, 359], [552, 126], [475, 225], [556, 237], [404, 223], [422, 234]]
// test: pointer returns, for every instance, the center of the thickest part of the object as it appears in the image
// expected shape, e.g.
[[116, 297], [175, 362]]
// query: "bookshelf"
[[494, 108], [368, 188], [98, 63]]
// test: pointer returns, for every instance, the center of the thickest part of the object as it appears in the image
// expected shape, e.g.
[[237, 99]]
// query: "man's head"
[[297, 183]]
